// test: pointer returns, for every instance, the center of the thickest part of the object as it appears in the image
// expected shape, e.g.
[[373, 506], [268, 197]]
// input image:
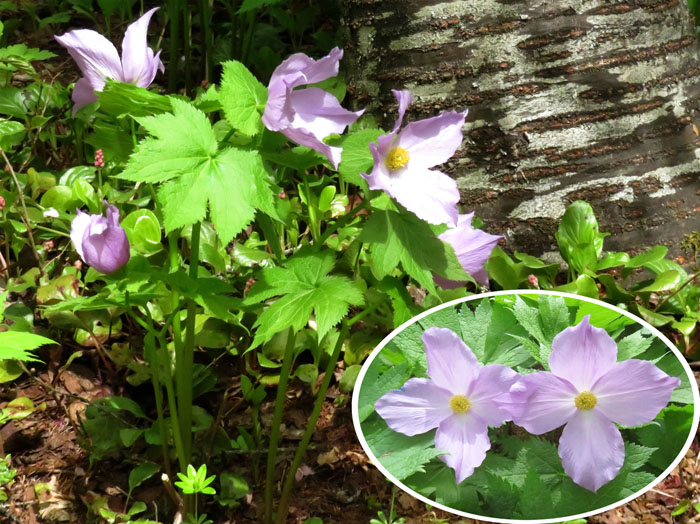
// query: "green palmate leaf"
[[580, 242], [118, 99], [529, 318], [242, 97], [535, 498], [410, 344], [444, 318], [305, 287], [501, 498], [30, 54], [374, 385], [636, 456], [16, 345], [183, 153], [402, 303], [667, 434], [401, 455], [501, 345], [538, 454], [399, 236], [554, 314], [633, 345], [356, 157], [439, 483], [181, 143], [474, 326]]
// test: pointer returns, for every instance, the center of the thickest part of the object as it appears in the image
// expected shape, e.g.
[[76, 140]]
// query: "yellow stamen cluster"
[[397, 158], [586, 400], [460, 404]]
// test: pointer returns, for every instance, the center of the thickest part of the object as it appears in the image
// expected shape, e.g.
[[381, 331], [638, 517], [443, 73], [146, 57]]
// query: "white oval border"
[[390, 336]]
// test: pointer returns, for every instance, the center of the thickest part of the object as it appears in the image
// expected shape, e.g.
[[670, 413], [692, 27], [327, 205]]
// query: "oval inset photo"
[[526, 406]]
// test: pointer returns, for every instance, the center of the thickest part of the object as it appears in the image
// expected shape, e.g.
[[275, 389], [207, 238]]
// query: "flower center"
[[397, 158], [586, 400], [460, 404]]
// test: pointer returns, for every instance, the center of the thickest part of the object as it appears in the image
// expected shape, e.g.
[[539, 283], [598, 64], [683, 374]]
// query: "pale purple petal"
[[104, 242], [582, 353], [433, 141], [319, 112], [451, 364], [430, 195], [541, 402], [305, 138], [472, 246], [78, 226], [489, 393], [307, 116], [83, 94], [446, 283], [300, 69], [295, 71], [465, 437], [419, 406], [381, 176], [96, 56], [633, 392], [139, 65], [404, 98], [591, 449]]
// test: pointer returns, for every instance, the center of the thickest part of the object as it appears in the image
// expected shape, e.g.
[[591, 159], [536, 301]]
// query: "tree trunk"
[[568, 100]]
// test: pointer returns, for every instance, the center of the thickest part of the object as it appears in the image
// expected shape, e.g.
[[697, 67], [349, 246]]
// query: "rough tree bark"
[[568, 99]]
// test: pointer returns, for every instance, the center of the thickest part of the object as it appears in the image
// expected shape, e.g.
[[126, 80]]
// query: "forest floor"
[[338, 484]]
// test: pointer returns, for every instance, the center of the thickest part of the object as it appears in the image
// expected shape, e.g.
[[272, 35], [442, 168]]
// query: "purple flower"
[[402, 162], [473, 248], [589, 391], [307, 116], [98, 59], [461, 398], [101, 242]]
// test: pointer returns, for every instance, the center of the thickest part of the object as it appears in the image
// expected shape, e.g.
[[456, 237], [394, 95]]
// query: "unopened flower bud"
[[100, 241], [99, 158], [532, 279]]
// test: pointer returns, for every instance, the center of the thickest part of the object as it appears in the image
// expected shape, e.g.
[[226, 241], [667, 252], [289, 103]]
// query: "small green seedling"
[[196, 481]]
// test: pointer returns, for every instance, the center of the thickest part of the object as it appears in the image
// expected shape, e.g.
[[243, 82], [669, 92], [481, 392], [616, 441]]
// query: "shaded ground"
[[55, 482]]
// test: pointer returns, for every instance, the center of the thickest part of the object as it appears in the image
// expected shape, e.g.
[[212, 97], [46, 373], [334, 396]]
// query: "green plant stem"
[[186, 46], [276, 423], [158, 392], [174, 16], [249, 36], [172, 404], [205, 13], [310, 427], [24, 215], [311, 206], [677, 290], [183, 369], [133, 132], [342, 222], [271, 236], [231, 8], [54, 231], [362, 314]]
